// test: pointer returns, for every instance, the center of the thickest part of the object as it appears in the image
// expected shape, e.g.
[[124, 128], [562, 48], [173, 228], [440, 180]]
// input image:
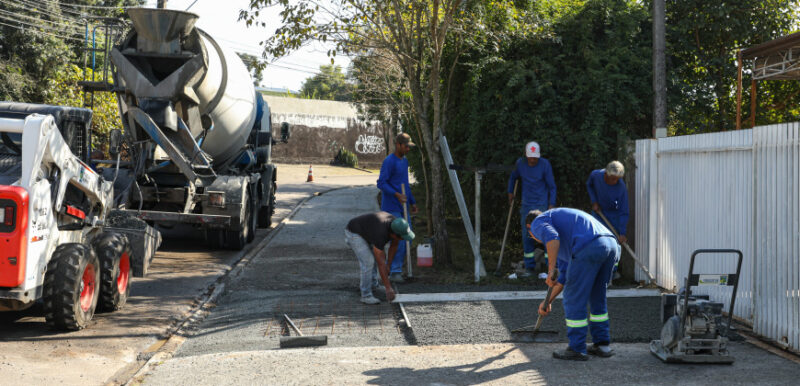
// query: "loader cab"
[[73, 123]]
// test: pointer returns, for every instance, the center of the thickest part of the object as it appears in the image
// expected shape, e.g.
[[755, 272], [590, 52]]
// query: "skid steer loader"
[[60, 240]]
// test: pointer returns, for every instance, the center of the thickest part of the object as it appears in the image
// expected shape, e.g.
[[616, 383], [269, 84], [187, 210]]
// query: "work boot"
[[370, 300], [528, 273], [600, 350], [570, 355], [396, 277]]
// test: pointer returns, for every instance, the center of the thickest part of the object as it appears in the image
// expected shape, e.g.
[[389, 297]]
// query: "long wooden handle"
[[408, 244], [547, 302], [505, 235], [627, 247]]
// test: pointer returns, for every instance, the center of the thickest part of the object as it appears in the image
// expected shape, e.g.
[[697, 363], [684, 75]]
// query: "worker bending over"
[[538, 192], [587, 252], [367, 235], [608, 193]]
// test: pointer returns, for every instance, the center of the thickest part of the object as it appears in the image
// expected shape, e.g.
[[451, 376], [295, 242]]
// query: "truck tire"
[[265, 212], [215, 238], [71, 287], [236, 240], [252, 220], [114, 252]]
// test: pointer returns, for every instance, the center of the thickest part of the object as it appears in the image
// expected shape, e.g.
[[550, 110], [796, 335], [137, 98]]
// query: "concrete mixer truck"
[[197, 137]]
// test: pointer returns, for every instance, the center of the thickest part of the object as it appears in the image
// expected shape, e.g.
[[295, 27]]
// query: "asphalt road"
[[308, 273], [115, 344]]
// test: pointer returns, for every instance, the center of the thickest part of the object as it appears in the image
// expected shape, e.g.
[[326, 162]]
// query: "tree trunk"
[[442, 249]]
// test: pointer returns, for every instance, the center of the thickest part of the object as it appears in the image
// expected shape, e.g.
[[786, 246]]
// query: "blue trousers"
[[615, 220], [528, 243], [400, 255], [588, 275]]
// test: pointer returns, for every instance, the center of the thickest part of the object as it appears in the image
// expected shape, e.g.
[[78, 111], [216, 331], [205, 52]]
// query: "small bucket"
[[424, 255]]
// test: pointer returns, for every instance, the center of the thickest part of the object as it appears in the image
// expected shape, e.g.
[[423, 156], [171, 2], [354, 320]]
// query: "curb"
[[166, 347]]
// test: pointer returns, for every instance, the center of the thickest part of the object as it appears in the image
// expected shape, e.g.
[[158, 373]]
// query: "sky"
[[220, 20]]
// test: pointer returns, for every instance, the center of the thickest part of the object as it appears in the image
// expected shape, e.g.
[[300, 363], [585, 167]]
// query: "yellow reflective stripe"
[[528, 255], [598, 318], [577, 323]]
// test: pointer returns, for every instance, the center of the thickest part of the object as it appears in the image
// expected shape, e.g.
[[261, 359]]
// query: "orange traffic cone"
[[310, 175]]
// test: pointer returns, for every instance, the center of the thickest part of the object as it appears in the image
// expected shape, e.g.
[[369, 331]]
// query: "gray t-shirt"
[[375, 228]]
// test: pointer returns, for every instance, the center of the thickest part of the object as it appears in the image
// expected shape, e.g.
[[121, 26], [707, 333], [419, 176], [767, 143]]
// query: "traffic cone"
[[310, 175]]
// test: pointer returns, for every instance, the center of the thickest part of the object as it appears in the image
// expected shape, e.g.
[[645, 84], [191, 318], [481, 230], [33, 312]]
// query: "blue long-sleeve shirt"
[[573, 228], [538, 184], [394, 174], [613, 199]]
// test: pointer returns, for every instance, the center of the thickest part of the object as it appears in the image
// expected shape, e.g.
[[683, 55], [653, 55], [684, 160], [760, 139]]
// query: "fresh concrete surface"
[[182, 271], [500, 364], [309, 273]]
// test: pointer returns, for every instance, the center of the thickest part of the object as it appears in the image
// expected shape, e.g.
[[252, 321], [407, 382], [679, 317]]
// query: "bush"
[[346, 158]]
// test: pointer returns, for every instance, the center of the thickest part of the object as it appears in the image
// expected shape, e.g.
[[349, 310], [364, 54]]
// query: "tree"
[[254, 66], [702, 40], [414, 34], [329, 84]]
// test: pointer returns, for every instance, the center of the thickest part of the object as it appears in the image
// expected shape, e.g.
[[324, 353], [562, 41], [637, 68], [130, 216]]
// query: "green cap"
[[400, 228]]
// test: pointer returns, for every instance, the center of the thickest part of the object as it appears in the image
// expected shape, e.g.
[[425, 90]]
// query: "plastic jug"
[[424, 255]]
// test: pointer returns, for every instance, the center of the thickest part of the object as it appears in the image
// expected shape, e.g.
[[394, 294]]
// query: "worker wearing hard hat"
[[538, 193], [367, 235], [587, 252]]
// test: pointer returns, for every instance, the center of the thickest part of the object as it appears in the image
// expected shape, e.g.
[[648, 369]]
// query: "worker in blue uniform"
[[393, 175], [608, 193], [587, 252], [538, 193]]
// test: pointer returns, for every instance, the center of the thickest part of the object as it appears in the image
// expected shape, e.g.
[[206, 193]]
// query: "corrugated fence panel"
[[737, 190], [705, 201], [777, 233]]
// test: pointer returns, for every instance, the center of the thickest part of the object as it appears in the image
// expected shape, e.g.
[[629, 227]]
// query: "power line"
[[33, 19], [41, 32]]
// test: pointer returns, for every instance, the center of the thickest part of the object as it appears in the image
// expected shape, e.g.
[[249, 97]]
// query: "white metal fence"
[[738, 190]]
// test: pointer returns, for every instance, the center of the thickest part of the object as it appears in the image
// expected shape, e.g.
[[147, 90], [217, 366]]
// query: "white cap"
[[532, 150]]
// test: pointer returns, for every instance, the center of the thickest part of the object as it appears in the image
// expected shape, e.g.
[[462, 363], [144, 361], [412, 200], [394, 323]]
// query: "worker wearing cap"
[[608, 193], [538, 193], [393, 175], [367, 235], [587, 252]]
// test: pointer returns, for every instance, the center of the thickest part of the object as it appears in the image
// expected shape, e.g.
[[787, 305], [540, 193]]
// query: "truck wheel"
[[265, 212], [114, 252], [71, 287], [238, 239], [252, 222], [215, 238]]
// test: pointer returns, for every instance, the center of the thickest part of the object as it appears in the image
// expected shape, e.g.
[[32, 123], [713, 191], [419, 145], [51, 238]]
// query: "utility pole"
[[162, 4], [659, 70]]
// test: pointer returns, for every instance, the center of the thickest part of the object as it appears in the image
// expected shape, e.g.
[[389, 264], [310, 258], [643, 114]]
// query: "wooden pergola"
[[777, 59]]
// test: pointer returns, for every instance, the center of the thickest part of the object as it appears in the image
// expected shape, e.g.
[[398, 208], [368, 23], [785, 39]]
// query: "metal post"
[[478, 178], [408, 244], [753, 103], [162, 4], [739, 91], [659, 70], [480, 270]]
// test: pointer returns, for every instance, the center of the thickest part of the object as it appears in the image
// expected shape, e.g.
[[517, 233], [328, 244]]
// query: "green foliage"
[[702, 40], [63, 90], [329, 84], [346, 158], [581, 87]]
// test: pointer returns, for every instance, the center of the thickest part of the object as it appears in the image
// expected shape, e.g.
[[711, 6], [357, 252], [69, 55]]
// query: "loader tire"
[[114, 252], [71, 287]]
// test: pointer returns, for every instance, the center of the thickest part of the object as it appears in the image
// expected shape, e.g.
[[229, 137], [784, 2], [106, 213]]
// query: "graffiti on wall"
[[369, 144]]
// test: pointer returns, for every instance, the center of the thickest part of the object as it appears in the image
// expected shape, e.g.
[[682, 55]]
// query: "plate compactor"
[[693, 331]]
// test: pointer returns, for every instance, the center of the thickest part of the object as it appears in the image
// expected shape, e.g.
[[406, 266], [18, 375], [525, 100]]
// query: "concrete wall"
[[319, 128]]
